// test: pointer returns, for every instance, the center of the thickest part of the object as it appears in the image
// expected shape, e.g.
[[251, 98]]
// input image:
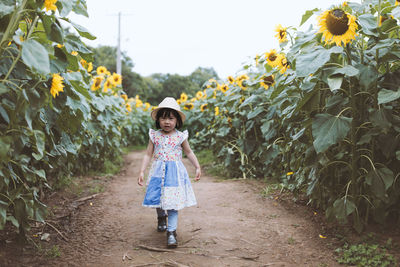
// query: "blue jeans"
[[172, 218]]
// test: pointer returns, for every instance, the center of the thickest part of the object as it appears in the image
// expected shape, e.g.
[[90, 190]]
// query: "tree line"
[[155, 87]]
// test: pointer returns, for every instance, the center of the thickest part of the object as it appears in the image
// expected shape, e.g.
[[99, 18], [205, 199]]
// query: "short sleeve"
[[152, 134], [184, 135]]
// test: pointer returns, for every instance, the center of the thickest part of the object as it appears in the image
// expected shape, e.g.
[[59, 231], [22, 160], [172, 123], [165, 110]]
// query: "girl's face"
[[168, 123]]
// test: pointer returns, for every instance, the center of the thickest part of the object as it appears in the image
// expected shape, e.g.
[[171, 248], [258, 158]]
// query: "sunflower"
[[179, 101], [199, 95], [96, 82], [231, 80], [283, 63], [107, 85], [213, 83], [146, 106], [184, 97], [224, 88], [90, 67], [256, 59], [124, 97], [397, 3], [267, 81], [74, 53], [204, 94], [60, 46], [101, 70], [337, 26], [272, 57], [128, 107], [216, 111], [242, 84], [203, 107], [117, 79], [188, 106], [56, 85], [50, 5], [281, 33], [139, 103]]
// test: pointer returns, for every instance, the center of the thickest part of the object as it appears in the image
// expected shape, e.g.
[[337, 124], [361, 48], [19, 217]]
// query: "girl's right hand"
[[140, 179]]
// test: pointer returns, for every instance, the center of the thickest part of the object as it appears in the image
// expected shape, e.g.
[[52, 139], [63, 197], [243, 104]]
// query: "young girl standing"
[[168, 185]]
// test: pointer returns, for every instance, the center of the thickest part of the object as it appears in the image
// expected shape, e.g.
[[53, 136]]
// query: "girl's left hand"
[[198, 174]]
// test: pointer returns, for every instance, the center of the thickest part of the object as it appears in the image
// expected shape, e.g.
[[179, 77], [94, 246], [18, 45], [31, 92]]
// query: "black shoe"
[[171, 239], [162, 223]]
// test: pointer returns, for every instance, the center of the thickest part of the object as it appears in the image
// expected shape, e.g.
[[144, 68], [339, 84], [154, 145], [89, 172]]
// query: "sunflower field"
[[58, 115], [321, 115]]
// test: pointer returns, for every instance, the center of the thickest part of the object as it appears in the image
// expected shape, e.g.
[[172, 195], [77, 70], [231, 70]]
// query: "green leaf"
[[3, 89], [6, 7], [386, 96], [347, 70], [380, 180], [335, 82], [343, 207], [307, 15], [66, 7], [40, 141], [13, 221], [368, 75], [4, 114], [56, 33], [83, 31], [35, 56], [368, 24], [255, 113], [5, 144], [313, 59], [80, 8], [328, 130], [3, 214]]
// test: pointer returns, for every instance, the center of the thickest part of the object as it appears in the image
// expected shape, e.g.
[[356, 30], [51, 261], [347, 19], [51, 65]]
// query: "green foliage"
[[368, 255]]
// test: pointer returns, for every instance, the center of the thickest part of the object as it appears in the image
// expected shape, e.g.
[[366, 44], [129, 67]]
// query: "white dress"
[[168, 183]]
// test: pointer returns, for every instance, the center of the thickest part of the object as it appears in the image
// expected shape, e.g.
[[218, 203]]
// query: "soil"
[[232, 225]]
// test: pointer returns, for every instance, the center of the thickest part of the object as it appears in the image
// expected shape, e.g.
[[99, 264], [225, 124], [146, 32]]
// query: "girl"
[[168, 186]]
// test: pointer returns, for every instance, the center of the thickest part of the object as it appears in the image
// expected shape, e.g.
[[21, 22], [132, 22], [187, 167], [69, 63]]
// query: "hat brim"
[[154, 113]]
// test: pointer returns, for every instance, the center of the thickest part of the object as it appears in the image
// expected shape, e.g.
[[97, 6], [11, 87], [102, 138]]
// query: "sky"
[[177, 36]]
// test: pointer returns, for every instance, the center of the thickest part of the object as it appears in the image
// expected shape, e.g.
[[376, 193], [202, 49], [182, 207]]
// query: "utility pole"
[[119, 45]]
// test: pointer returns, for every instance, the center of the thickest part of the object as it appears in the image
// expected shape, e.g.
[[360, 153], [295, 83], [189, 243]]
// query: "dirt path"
[[233, 225]]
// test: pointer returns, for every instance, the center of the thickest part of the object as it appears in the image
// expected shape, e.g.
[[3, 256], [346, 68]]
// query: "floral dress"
[[168, 184]]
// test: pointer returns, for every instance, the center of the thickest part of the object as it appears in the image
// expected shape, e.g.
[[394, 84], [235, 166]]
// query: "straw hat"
[[168, 102]]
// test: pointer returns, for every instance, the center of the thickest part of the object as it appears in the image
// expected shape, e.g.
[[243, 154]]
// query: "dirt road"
[[233, 225]]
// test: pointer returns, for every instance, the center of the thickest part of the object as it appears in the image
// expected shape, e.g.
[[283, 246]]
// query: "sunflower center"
[[272, 57], [337, 22], [282, 34], [269, 80]]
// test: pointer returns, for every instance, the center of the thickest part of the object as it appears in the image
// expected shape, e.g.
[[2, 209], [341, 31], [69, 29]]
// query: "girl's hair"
[[166, 112]]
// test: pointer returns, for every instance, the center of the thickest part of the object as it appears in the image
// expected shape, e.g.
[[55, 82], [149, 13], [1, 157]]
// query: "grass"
[[207, 160]]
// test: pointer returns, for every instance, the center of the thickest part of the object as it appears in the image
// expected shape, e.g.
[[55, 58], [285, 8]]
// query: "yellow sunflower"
[[74, 53], [50, 5], [397, 3], [179, 101], [231, 80], [216, 111], [146, 106], [188, 106], [117, 79], [283, 63], [107, 85], [96, 82], [90, 67], [267, 81], [203, 107], [128, 107], [272, 57], [139, 103], [242, 84], [124, 97], [60, 46], [224, 88], [184, 97], [337, 26], [101, 70], [199, 95], [204, 94], [213, 83], [281, 33], [56, 85]]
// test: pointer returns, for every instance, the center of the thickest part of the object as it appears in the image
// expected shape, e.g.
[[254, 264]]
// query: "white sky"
[[177, 36]]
